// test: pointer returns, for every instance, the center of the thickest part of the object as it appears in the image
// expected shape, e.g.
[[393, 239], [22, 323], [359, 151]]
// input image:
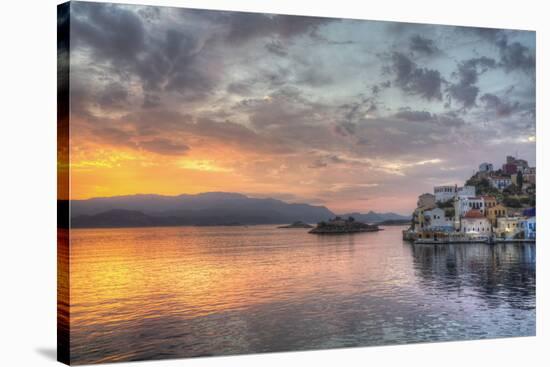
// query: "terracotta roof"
[[473, 213], [488, 197]]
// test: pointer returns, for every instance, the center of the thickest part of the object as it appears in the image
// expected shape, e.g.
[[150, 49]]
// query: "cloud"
[[244, 27], [416, 80], [515, 56], [117, 38], [500, 107], [465, 91], [113, 96], [423, 45], [164, 146], [276, 48], [111, 31], [414, 115], [448, 118], [281, 95]]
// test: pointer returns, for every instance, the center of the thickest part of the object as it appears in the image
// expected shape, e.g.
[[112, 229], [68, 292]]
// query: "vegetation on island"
[[338, 225]]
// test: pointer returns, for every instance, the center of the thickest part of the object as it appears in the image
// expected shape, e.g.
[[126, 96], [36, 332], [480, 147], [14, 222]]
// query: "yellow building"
[[496, 211], [419, 219], [509, 227]]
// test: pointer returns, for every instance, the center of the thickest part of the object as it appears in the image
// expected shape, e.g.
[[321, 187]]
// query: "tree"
[[511, 202], [519, 179]]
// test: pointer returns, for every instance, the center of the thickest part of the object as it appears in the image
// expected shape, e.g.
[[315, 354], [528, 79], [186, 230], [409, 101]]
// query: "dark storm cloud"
[[416, 80], [423, 45], [353, 113], [116, 36], [501, 108], [513, 55], [243, 27], [113, 32], [449, 118], [465, 91], [414, 115], [276, 48], [240, 88], [113, 96]]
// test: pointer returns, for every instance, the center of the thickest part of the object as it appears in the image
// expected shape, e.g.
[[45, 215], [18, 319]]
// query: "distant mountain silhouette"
[[373, 217], [211, 208]]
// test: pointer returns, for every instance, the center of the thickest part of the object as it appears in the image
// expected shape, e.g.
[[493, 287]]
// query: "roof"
[[488, 197], [473, 213]]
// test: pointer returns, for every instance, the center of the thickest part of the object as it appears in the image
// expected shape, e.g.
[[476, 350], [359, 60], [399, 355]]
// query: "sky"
[[355, 115]]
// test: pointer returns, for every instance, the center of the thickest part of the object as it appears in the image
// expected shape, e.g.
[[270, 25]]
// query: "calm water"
[[183, 292]]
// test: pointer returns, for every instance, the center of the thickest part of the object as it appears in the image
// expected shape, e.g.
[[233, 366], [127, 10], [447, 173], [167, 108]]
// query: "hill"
[[211, 208], [373, 217]]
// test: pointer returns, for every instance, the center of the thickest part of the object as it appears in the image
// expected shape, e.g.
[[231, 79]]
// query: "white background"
[[28, 182]]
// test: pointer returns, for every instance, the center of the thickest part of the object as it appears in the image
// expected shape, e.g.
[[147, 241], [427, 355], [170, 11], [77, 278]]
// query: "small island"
[[339, 225], [298, 224]]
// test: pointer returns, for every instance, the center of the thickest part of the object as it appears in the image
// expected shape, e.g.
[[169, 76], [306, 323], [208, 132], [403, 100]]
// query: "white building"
[[436, 218], [464, 204], [474, 223], [448, 192], [486, 167], [500, 183], [444, 193], [466, 191]]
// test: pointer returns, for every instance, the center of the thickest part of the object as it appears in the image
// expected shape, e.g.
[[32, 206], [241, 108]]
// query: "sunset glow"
[[313, 112]]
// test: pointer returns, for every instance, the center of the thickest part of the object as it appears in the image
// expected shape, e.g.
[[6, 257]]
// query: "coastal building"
[[530, 175], [497, 211], [426, 200], [513, 165], [466, 191], [509, 227], [448, 192], [436, 233], [444, 193], [475, 223], [435, 219], [509, 168], [514, 178], [489, 201], [500, 182], [419, 219], [486, 167], [465, 204], [530, 228]]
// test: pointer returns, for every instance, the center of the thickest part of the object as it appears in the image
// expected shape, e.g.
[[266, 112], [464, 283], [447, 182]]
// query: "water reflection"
[[497, 273], [147, 293]]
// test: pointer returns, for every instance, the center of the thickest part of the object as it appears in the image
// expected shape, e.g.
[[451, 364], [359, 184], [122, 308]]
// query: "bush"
[[511, 202]]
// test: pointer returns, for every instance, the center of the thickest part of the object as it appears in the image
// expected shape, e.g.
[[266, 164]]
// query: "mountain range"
[[212, 208]]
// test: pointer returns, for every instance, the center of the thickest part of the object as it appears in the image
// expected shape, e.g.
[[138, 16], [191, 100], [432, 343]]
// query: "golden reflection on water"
[[148, 293], [126, 273]]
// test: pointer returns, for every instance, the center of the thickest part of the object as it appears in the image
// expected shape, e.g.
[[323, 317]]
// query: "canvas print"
[[235, 183]]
